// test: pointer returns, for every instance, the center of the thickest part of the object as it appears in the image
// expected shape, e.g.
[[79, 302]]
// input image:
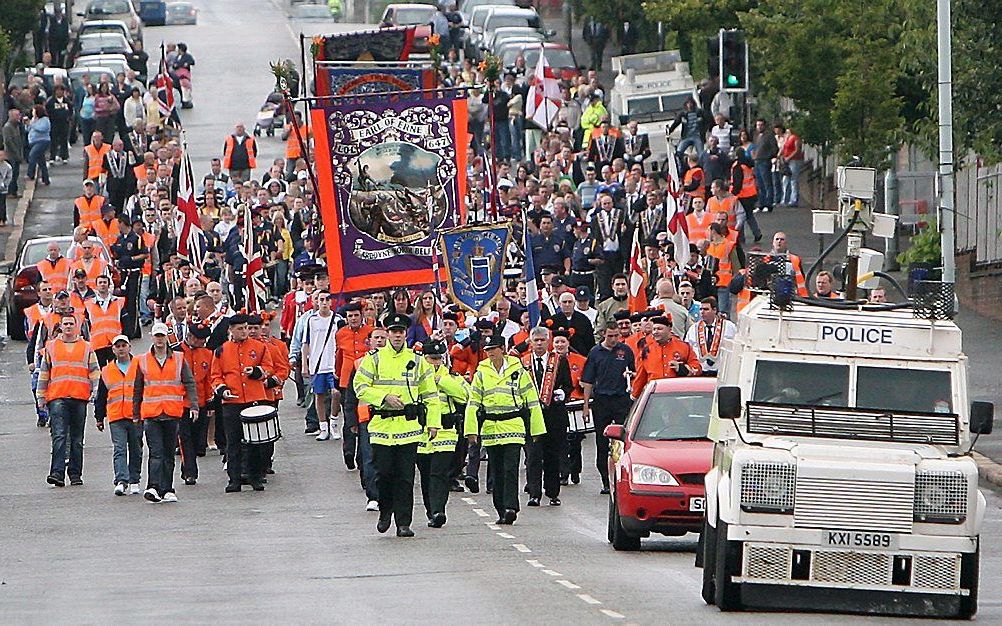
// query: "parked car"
[[418, 15], [116, 63], [475, 28], [153, 12], [558, 56], [181, 13], [658, 460], [523, 33], [21, 292], [105, 26], [122, 10], [99, 43], [499, 17]]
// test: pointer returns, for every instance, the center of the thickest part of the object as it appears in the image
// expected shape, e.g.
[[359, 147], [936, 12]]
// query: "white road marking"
[[521, 547], [612, 614], [492, 526], [568, 584], [506, 536], [550, 572], [534, 563], [469, 501], [587, 598], [480, 512]]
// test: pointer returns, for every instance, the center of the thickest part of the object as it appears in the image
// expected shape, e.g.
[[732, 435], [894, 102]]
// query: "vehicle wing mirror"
[[729, 402], [549, 32], [7, 267], [982, 417], [615, 431]]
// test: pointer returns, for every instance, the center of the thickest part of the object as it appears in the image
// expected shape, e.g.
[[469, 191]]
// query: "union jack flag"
[[192, 243], [255, 289], [165, 92]]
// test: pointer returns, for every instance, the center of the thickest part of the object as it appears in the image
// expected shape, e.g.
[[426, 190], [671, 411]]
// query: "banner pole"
[[494, 158]]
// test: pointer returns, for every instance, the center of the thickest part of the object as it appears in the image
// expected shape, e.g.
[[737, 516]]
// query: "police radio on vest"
[[856, 334]]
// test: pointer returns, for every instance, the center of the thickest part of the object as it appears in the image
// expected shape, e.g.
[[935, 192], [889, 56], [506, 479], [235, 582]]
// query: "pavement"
[[304, 550]]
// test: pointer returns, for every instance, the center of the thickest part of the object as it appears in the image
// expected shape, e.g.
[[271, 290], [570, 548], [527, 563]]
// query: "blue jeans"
[[724, 301], [368, 468], [161, 439], [777, 188], [763, 182], [127, 439], [517, 148], [502, 141], [66, 422], [144, 293], [43, 412], [36, 159], [689, 141], [791, 183]]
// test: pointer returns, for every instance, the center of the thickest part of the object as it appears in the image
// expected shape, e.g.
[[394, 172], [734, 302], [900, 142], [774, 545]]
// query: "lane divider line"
[[469, 501], [534, 563], [521, 547], [550, 572], [587, 598], [612, 614], [569, 584], [506, 536]]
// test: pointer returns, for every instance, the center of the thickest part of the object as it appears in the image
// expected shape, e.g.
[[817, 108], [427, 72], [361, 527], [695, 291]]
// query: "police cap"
[[434, 348], [397, 321], [494, 341]]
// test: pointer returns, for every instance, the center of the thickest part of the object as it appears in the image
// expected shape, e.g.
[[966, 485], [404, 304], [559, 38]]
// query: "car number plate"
[[860, 539], [697, 504]]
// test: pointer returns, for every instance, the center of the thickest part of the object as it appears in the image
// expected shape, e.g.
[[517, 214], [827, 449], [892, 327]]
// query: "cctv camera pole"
[[946, 200]]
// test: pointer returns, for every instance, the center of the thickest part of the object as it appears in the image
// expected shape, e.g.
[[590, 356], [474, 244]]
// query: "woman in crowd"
[[39, 138], [426, 319], [106, 108]]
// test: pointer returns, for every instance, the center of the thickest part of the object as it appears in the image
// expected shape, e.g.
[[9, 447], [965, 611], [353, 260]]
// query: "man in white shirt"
[[503, 321], [582, 303], [318, 360], [706, 335]]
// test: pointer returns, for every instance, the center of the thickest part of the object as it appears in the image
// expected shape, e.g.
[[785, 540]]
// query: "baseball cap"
[[80, 273], [159, 329], [120, 338]]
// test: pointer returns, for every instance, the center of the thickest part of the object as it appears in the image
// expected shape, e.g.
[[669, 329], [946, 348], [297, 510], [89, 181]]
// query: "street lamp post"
[[946, 199]]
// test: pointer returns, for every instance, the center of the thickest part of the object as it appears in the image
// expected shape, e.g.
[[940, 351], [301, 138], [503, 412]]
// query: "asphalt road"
[[305, 551]]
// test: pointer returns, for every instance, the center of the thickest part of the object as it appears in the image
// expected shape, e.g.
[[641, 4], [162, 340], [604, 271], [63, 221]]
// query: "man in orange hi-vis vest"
[[67, 379], [104, 311], [161, 381], [114, 406]]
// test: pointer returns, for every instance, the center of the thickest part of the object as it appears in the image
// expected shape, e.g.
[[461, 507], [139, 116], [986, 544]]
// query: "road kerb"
[[990, 471], [19, 214]]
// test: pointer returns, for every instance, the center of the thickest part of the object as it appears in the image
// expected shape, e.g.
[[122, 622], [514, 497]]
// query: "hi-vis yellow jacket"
[[384, 372], [453, 393], [503, 392]]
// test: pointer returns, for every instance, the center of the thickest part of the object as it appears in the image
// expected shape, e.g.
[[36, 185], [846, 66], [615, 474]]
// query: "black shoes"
[[455, 487], [510, 516], [55, 481], [233, 487], [269, 471], [554, 501], [189, 481], [565, 481], [257, 484], [76, 482], [437, 520], [404, 531], [576, 478], [533, 502], [472, 484], [349, 461], [384, 524], [312, 430], [604, 491], [42, 422]]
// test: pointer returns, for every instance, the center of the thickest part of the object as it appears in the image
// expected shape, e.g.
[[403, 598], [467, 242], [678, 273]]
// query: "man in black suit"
[[551, 374], [596, 35], [636, 145], [568, 318], [629, 34], [605, 146]]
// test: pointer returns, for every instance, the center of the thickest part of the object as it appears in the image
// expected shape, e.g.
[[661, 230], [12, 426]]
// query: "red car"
[[658, 460]]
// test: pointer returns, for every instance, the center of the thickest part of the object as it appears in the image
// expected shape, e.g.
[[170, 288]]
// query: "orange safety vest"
[[97, 267], [722, 252], [292, 148], [798, 273], [163, 393], [95, 159], [142, 174], [69, 370], [33, 315], [104, 323], [57, 274], [699, 228], [107, 232], [690, 174], [89, 210], [748, 189], [120, 386], [148, 241], [228, 153], [727, 205]]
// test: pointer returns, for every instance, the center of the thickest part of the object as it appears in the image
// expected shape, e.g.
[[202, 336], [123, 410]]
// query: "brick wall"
[[979, 289]]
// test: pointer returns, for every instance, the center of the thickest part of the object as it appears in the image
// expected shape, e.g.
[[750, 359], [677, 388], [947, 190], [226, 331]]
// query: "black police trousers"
[[503, 470], [435, 469], [395, 480]]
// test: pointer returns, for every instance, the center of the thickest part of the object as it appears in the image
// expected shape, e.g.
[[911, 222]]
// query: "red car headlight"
[[651, 475]]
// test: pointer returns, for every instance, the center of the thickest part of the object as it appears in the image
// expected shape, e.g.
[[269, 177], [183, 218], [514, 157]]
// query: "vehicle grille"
[[769, 563], [697, 478], [853, 505], [846, 423]]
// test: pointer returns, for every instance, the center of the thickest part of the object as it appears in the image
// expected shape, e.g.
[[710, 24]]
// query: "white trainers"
[[372, 506], [134, 489], [325, 433], [120, 489], [335, 433], [151, 495], [170, 496]]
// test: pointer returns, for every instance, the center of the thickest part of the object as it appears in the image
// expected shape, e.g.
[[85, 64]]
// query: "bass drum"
[[260, 425]]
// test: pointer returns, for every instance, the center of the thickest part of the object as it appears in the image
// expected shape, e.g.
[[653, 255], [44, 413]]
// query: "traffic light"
[[733, 61]]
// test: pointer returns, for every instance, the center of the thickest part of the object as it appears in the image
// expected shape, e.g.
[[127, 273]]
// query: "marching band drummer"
[[240, 368], [704, 336], [435, 456]]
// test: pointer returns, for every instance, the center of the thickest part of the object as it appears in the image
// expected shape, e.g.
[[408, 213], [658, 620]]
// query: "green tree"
[[695, 20], [17, 19]]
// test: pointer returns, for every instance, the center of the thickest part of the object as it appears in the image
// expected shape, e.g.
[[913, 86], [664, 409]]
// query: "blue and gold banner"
[[474, 262]]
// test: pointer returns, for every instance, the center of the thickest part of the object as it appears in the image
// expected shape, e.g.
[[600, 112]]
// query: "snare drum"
[[260, 424], [576, 421]]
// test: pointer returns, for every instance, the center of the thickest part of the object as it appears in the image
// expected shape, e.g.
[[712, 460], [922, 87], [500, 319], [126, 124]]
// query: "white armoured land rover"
[[841, 476]]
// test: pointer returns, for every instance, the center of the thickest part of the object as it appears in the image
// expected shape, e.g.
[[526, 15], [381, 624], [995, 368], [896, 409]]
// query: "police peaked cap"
[[434, 348], [494, 341], [397, 321]]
